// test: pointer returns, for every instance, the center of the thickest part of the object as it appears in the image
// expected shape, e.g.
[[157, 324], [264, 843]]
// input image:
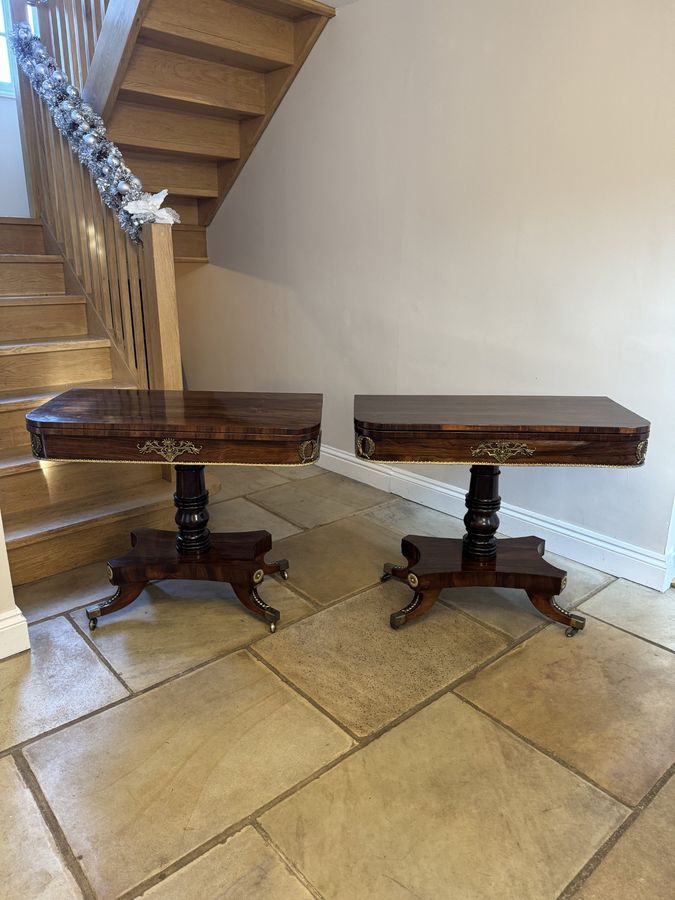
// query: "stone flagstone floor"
[[181, 751]]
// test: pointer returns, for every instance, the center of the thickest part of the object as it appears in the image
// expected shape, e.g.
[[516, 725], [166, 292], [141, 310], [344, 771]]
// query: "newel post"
[[160, 309]]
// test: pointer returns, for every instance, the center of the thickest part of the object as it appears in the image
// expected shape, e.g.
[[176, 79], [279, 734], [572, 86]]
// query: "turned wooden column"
[[483, 502], [191, 501]]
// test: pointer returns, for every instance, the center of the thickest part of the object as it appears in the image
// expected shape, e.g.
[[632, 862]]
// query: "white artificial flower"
[[147, 210]]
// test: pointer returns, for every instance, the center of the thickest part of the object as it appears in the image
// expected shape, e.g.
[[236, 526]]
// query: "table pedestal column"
[[194, 554], [480, 560]]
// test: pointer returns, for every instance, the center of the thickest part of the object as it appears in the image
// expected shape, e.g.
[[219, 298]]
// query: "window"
[[6, 66]]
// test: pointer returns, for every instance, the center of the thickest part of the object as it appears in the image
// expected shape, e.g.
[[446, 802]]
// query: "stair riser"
[[187, 83], [18, 323], [50, 486], [24, 279], [189, 242], [13, 429], [21, 239], [96, 541], [25, 370]]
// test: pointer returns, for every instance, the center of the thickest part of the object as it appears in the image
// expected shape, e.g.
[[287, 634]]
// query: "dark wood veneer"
[[121, 426], [485, 432], [189, 429]]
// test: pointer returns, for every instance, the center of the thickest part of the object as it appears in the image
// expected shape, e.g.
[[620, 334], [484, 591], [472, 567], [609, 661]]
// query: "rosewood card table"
[[486, 432], [190, 429]]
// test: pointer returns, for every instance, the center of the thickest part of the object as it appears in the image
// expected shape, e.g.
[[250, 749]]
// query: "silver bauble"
[[123, 187], [135, 183], [58, 77], [105, 170], [72, 91], [76, 116], [83, 127], [90, 140], [41, 70]]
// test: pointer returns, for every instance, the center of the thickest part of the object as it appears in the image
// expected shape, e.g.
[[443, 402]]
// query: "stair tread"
[[39, 524], [49, 345], [29, 258], [293, 8], [41, 300], [29, 398], [17, 220], [16, 460]]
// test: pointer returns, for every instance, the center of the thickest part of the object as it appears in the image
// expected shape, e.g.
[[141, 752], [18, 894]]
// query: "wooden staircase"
[[57, 515], [195, 85], [186, 90]]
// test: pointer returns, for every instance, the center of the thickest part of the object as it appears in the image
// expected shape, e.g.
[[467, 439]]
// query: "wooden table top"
[[181, 427], [478, 413], [195, 413]]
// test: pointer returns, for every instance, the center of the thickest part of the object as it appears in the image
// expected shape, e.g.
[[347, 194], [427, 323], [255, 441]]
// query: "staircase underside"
[[195, 87]]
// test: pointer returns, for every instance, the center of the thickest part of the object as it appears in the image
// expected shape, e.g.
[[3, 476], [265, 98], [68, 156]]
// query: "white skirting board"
[[655, 570], [13, 633]]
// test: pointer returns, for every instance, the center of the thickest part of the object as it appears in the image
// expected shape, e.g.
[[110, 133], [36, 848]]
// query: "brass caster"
[[576, 626], [273, 627], [92, 624], [283, 568], [396, 620]]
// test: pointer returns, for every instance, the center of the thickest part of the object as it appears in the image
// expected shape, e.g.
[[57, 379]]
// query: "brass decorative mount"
[[365, 446], [169, 448], [502, 450]]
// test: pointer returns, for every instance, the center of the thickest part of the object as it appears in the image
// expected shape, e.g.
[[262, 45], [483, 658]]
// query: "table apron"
[[499, 448]]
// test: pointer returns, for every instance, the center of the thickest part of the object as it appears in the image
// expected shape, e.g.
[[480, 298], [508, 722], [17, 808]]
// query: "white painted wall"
[[13, 197], [467, 198]]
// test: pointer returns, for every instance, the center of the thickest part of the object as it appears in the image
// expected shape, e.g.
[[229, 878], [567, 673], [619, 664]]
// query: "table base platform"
[[235, 558], [438, 563], [480, 560], [194, 554]]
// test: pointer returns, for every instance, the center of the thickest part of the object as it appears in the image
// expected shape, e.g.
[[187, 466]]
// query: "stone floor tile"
[[67, 590], [581, 580], [59, 680], [447, 804], [140, 785], [175, 625], [603, 701], [649, 614], [295, 473], [641, 865], [240, 515], [30, 864], [354, 665], [511, 611], [237, 481], [244, 868], [405, 517], [317, 501], [339, 559]]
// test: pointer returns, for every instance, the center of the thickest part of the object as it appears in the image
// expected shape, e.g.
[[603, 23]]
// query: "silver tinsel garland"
[[85, 132]]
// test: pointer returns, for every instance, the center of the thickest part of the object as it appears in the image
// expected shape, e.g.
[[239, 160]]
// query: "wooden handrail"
[[130, 288], [115, 44]]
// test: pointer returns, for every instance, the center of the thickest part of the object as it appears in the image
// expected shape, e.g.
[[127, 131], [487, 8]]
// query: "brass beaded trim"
[[474, 462]]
